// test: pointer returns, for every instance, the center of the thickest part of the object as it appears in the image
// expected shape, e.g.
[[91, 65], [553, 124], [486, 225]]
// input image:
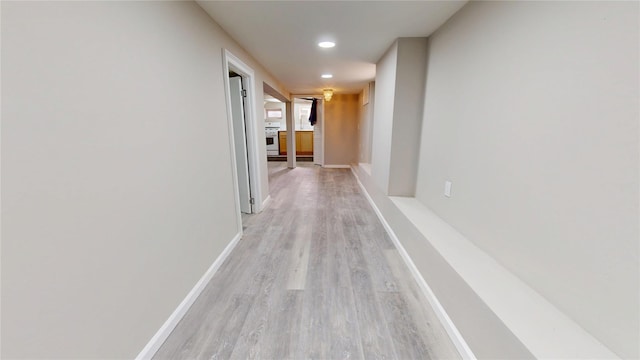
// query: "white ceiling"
[[283, 36]]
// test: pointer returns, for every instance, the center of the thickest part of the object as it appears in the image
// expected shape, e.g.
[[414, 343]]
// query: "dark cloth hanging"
[[313, 117]]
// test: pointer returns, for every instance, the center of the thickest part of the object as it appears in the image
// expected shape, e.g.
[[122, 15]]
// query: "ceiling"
[[283, 36]]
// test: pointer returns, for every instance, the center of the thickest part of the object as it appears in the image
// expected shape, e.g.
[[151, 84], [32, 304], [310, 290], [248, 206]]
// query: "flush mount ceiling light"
[[326, 44], [328, 93], [327, 76]]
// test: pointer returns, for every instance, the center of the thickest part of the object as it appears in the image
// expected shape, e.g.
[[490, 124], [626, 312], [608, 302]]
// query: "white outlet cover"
[[447, 188]]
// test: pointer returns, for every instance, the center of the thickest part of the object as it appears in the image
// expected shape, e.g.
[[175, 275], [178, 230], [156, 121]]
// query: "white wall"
[[407, 115], [532, 112], [365, 126], [279, 106], [302, 123], [117, 191], [400, 81], [383, 117]]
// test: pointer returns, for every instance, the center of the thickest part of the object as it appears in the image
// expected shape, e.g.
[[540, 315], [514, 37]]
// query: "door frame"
[[232, 62], [321, 101], [238, 95]]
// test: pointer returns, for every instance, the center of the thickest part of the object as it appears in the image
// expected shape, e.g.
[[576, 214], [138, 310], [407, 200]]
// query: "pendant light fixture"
[[328, 93]]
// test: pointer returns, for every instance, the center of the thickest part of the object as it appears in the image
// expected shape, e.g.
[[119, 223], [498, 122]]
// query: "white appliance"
[[271, 133]]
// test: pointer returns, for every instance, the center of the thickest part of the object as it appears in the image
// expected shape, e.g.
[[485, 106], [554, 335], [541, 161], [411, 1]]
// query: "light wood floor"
[[314, 276]]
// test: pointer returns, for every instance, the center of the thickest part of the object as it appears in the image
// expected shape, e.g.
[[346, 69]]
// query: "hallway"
[[314, 276]]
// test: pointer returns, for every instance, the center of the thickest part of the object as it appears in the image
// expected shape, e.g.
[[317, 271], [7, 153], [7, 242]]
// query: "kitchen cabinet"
[[282, 142], [304, 142]]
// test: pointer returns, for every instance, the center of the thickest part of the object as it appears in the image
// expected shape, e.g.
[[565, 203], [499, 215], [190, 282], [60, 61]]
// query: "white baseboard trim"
[[337, 166], [366, 167], [447, 323], [165, 330], [265, 203]]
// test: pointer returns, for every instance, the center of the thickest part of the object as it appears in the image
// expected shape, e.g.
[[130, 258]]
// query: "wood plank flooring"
[[315, 276]]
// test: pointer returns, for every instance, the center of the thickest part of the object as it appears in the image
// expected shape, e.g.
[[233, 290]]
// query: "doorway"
[[300, 117], [243, 135], [237, 94]]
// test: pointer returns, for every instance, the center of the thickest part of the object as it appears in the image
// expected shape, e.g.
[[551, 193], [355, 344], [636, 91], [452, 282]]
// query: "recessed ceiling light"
[[327, 44], [327, 76]]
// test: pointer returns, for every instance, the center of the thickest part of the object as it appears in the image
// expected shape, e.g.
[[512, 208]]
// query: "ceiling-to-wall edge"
[[240, 51]]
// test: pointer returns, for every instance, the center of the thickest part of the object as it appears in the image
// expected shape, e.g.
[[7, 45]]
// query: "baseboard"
[[265, 203], [165, 330], [445, 320], [337, 166], [366, 167]]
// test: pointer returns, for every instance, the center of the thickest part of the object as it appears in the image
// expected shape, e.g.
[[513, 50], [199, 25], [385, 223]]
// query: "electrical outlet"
[[447, 188]]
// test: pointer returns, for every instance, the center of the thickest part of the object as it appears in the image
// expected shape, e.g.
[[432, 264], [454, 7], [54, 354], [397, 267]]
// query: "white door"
[[318, 154], [240, 140]]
